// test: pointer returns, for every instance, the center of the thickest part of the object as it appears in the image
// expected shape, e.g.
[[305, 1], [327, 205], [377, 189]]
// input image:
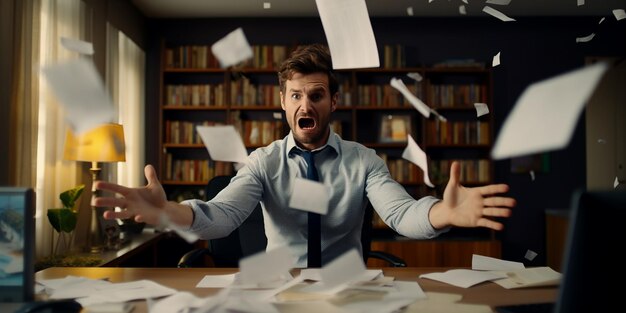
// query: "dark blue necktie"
[[314, 248]]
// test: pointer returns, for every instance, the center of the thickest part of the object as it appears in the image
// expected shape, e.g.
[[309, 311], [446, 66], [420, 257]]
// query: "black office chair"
[[249, 238]]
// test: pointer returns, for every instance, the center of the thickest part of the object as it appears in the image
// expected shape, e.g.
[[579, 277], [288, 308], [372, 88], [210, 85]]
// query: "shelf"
[[256, 108], [193, 108], [194, 70]]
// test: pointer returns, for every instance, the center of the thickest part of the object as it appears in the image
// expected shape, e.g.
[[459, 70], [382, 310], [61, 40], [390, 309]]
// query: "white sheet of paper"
[[123, 292], [310, 196], [530, 255], [82, 47], [615, 182], [349, 33], [546, 113], [463, 278], [338, 274], [409, 11], [601, 20], [499, 2], [485, 263], [414, 154], [497, 14], [178, 302], [481, 109], [232, 49], [81, 92], [223, 143], [619, 14], [216, 281], [462, 10], [496, 60], [415, 75], [585, 38], [580, 2], [264, 267], [416, 102], [394, 299], [530, 277]]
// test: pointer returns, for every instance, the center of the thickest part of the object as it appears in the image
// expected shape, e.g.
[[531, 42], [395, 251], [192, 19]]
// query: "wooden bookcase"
[[194, 90]]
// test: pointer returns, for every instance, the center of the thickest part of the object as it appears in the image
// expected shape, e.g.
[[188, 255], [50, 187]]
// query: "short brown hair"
[[308, 59]]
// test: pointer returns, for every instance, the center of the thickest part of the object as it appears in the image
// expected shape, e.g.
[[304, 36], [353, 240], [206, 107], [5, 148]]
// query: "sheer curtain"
[[125, 78], [54, 175]]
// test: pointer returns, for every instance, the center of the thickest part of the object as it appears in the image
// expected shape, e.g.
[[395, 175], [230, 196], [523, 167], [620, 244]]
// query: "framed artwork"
[[394, 128]]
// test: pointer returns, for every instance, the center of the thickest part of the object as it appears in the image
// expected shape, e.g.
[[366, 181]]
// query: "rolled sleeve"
[[415, 222]]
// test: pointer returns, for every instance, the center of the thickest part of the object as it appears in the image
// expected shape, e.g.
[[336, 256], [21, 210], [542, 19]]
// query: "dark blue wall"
[[531, 49]]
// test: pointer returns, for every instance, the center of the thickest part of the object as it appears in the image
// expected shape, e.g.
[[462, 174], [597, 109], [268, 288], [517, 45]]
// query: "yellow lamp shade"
[[104, 143]]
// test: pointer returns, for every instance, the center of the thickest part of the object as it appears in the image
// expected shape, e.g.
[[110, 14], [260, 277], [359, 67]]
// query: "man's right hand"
[[144, 204]]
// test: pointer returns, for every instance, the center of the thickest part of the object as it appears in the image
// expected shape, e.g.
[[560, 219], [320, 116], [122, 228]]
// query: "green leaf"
[[69, 197], [62, 219]]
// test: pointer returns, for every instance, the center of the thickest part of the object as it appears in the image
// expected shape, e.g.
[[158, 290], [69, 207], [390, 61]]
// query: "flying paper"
[[349, 33], [546, 113], [232, 49], [414, 154]]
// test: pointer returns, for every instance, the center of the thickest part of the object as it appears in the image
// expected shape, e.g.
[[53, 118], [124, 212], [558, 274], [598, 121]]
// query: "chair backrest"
[[249, 238]]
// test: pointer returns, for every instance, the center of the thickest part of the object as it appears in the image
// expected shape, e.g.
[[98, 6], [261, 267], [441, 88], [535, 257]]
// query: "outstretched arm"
[[470, 207], [145, 204]]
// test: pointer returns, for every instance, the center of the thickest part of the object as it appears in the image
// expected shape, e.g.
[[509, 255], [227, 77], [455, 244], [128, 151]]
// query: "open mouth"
[[306, 123]]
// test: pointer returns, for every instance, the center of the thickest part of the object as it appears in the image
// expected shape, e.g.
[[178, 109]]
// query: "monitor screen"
[[16, 244]]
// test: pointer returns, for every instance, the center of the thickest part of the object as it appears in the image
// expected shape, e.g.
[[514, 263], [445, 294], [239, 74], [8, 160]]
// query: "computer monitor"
[[593, 269], [17, 244]]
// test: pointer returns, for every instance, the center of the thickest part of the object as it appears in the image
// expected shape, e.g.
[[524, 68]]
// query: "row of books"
[[466, 132], [243, 93], [260, 132], [402, 170], [194, 95], [452, 96], [200, 56], [385, 95], [184, 132], [194, 170], [472, 171], [394, 56]]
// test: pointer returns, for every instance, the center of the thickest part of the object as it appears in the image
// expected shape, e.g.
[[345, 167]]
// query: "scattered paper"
[[339, 273], [580, 2], [532, 175], [462, 10], [125, 307], [485, 263], [76, 45], [619, 14], [416, 76], [501, 2], [465, 1], [615, 182], [481, 109], [416, 102], [497, 14], [223, 143], [267, 5], [266, 267], [81, 91], [601, 141], [310, 196], [496, 60], [414, 154], [124, 292], [445, 302], [394, 299], [546, 113], [464, 278], [349, 33], [409, 11], [586, 38], [216, 281], [530, 255], [232, 49], [601, 20], [530, 277], [277, 115]]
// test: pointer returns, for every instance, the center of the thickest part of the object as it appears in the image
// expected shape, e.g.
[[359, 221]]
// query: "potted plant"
[[64, 221]]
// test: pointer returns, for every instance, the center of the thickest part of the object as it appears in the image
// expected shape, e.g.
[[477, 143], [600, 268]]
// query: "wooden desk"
[[185, 279]]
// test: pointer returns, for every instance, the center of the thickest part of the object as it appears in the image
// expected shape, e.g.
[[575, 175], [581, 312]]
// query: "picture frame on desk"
[[394, 128]]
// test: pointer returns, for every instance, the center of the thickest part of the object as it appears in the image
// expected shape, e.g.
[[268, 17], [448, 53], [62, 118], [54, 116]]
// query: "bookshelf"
[[194, 91]]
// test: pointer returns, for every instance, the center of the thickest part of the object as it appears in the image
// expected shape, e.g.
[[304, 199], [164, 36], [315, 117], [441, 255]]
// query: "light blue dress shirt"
[[354, 174]]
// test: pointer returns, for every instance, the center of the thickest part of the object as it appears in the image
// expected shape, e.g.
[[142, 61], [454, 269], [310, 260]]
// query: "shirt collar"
[[331, 142]]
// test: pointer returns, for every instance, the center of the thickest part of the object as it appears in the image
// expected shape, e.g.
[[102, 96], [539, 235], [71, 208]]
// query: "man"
[[354, 173]]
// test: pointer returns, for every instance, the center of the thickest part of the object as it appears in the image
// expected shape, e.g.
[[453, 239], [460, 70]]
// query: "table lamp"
[[104, 143]]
